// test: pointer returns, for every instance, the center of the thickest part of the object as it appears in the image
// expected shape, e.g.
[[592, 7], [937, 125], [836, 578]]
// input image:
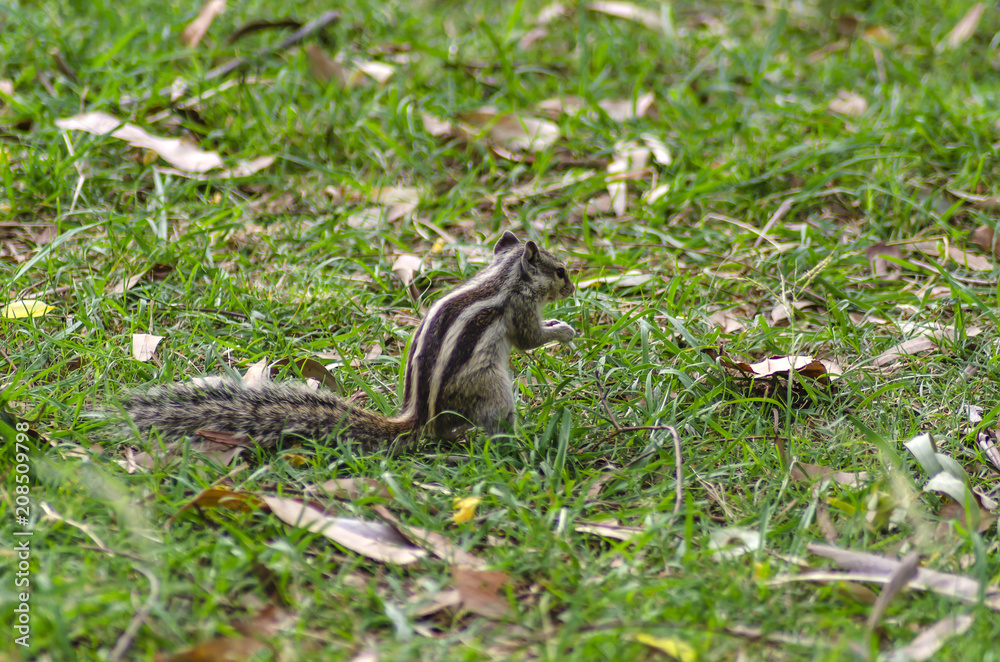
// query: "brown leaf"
[[985, 238], [480, 591], [969, 260], [199, 26], [310, 369], [326, 69], [220, 497], [220, 649], [876, 254]]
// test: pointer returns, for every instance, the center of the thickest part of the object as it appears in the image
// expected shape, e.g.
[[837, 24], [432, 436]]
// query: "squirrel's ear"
[[505, 243], [530, 253]]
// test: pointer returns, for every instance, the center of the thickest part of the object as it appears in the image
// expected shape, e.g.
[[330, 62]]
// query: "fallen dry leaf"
[[878, 569], [173, 150], [374, 540], [325, 69], [987, 442], [964, 29], [985, 238], [802, 471], [969, 260], [848, 103], [479, 590], [197, 28], [353, 489], [610, 529], [677, 649], [631, 278], [926, 644], [780, 313], [143, 346], [779, 366], [629, 163], [922, 343], [661, 153], [377, 71], [513, 131], [628, 11], [877, 254], [434, 542], [728, 320], [990, 202]]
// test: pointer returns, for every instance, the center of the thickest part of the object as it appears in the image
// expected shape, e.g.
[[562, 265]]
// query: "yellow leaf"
[[675, 648], [25, 308], [465, 509]]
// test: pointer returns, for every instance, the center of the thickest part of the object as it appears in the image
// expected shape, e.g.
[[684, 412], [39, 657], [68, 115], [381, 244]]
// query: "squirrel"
[[457, 372]]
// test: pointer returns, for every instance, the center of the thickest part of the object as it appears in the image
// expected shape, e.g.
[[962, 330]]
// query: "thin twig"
[[639, 428], [604, 400], [678, 470], [128, 636], [174, 92], [778, 214]]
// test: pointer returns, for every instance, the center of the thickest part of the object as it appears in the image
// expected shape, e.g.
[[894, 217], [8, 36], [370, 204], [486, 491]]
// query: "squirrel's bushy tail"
[[265, 413]]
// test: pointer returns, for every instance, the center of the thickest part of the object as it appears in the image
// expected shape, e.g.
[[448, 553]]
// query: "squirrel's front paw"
[[558, 330]]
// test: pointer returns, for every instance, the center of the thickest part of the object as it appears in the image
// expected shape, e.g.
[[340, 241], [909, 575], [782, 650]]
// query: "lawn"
[[776, 422]]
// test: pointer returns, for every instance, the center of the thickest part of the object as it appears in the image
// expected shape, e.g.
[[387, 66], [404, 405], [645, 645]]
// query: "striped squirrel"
[[457, 372]]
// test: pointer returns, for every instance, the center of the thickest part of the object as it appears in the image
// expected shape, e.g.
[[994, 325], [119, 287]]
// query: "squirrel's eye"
[[561, 272]]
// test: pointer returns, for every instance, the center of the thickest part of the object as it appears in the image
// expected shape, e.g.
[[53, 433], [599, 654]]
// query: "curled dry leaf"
[[143, 346], [877, 254], [173, 150], [781, 313], [197, 28], [619, 110], [987, 442], [377, 71], [848, 103], [729, 318], [990, 202], [964, 29], [405, 267], [375, 540], [822, 370], [628, 11]]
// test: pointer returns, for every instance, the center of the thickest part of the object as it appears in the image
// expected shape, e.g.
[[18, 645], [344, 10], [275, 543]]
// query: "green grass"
[[268, 266]]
